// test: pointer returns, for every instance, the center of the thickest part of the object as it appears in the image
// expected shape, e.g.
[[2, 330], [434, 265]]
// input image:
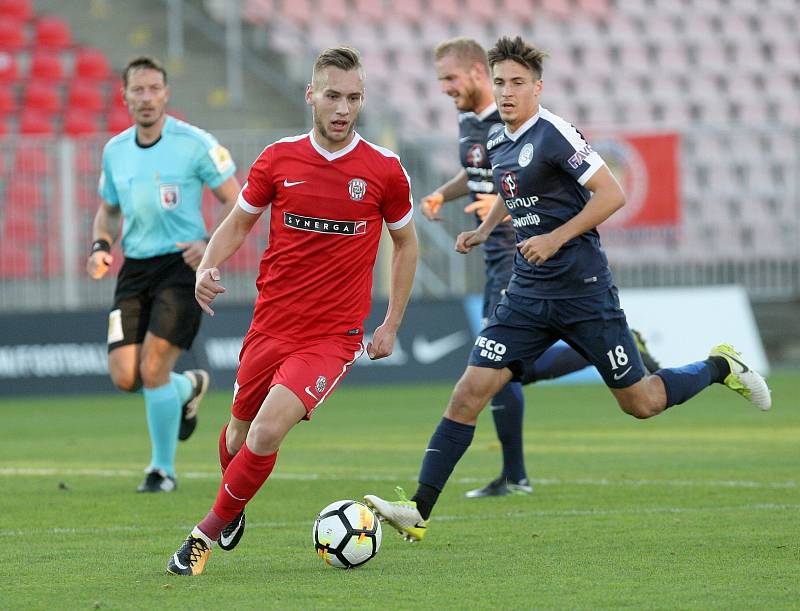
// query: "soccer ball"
[[346, 534]]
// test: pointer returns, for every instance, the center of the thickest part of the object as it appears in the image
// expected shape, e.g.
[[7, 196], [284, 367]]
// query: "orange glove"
[[430, 205]]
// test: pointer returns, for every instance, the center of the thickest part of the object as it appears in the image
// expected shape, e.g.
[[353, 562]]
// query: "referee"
[[152, 178]]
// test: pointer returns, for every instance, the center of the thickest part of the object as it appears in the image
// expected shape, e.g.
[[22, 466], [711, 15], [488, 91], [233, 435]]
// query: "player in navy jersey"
[[557, 190], [464, 76], [153, 177], [463, 71]]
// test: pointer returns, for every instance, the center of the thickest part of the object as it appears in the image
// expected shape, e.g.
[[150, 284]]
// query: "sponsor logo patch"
[[577, 159], [170, 196], [357, 188], [508, 181], [525, 155], [221, 157], [309, 223], [476, 156], [490, 349]]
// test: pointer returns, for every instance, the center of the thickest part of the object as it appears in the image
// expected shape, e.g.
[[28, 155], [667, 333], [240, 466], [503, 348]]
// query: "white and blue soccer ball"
[[347, 534]]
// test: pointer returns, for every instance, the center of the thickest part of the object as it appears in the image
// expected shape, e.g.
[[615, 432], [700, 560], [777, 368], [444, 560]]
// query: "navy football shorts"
[[498, 274], [522, 328]]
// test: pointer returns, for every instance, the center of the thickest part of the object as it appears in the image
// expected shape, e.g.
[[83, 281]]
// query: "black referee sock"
[[447, 445]]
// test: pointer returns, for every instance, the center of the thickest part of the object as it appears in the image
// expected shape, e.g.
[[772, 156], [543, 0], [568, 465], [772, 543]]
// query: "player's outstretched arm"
[[404, 266], [104, 230], [453, 188], [607, 198]]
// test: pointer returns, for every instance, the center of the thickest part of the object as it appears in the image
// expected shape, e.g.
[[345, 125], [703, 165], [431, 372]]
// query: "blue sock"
[[683, 383], [558, 360], [447, 445], [163, 420], [508, 407], [183, 385]]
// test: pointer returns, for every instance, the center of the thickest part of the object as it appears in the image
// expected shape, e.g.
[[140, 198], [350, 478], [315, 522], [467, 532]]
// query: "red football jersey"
[[326, 216]]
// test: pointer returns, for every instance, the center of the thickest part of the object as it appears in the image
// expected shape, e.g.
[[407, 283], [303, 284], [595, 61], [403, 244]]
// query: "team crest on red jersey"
[[476, 155], [322, 382], [509, 184], [357, 188], [170, 196]]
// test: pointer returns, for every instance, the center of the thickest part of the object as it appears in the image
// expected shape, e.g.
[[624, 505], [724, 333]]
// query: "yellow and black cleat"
[[191, 558]]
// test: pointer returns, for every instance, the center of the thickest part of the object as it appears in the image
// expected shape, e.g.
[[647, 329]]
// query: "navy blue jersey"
[[473, 131], [540, 171]]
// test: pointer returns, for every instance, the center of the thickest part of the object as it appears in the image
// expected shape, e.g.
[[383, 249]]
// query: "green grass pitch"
[[698, 508]]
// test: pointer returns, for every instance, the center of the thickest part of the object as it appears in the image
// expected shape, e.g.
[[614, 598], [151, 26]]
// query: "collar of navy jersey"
[[486, 111], [335, 155], [522, 128]]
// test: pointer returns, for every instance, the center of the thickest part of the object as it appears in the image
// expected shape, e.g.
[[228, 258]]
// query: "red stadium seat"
[[118, 120], [32, 160], [15, 261], [8, 67], [34, 123], [447, 10], [21, 10], [115, 99], [88, 161], [52, 33], [559, 9], [369, 10], [78, 122], [409, 10], [23, 196], [297, 11], [481, 10], [53, 260], [85, 96], [12, 36], [20, 227], [42, 96], [46, 66], [92, 64], [333, 12], [8, 101]]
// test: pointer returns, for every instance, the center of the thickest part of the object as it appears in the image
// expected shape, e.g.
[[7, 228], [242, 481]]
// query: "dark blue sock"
[[683, 383], [447, 445], [508, 407], [558, 360]]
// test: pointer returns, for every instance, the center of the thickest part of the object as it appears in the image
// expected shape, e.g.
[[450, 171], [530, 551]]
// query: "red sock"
[[225, 457], [243, 477]]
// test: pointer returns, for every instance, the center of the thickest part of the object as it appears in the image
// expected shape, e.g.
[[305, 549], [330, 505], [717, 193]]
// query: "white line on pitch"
[[551, 481], [555, 513]]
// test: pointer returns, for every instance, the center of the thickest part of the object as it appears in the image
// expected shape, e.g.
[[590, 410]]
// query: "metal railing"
[[741, 229]]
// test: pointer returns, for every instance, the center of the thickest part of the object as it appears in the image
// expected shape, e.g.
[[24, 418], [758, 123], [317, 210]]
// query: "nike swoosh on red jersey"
[[286, 183]]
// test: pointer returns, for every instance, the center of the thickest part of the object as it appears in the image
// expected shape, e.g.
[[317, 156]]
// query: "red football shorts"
[[311, 370]]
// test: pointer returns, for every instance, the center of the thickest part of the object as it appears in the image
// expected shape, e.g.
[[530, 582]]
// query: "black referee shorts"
[[155, 295]]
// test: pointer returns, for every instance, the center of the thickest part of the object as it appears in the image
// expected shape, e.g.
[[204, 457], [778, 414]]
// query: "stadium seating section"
[[725, 74]]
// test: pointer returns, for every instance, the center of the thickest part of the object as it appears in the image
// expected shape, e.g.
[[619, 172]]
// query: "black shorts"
[[155, 295], [522, 328]]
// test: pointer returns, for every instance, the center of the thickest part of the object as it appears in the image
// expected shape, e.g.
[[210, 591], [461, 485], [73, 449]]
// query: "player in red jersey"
[[328, 194]]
